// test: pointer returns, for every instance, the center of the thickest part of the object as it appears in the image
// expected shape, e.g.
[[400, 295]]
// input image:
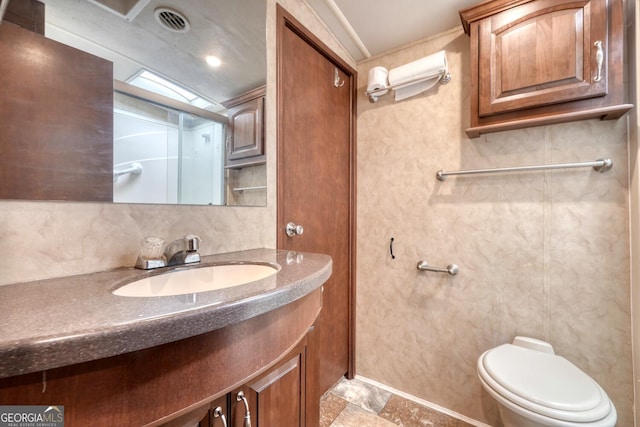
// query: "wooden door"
[[316, 184]]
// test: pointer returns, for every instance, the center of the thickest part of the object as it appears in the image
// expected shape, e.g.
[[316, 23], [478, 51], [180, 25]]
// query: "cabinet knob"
[[217, 413]]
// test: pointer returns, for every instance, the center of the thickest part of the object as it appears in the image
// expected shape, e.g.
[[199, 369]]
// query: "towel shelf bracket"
[[373, 95]]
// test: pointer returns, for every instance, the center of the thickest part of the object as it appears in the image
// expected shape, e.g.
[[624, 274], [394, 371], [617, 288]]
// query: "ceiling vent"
[[172, 20]]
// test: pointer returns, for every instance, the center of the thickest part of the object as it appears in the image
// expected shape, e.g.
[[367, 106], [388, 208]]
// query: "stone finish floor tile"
[[406, 413], [330, 407], [355, 416], [361, 394], [354, 403]]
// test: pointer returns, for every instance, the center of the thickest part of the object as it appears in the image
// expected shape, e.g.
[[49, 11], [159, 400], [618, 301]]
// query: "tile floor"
[[356, 403]]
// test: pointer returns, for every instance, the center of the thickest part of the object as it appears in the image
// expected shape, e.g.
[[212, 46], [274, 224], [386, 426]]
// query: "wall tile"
[[543, 254]]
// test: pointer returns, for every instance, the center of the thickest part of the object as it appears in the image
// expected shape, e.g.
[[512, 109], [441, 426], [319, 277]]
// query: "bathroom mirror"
[[172, 39]]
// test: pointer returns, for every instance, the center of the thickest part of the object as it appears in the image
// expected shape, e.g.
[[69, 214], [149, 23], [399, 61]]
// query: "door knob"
[[294, 230]]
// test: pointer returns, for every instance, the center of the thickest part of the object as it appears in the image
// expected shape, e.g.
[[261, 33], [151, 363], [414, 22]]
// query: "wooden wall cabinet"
[[28, 14], [545, 61], [245, 130], [56, 131]]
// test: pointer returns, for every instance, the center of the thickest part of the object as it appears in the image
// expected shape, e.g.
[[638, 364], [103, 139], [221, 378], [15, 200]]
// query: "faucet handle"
[[152, 247], [151, 254], [193, 242]]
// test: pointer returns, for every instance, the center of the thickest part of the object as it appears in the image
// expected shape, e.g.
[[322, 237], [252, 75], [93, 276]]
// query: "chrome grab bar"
[[452, 269], [134, 169]]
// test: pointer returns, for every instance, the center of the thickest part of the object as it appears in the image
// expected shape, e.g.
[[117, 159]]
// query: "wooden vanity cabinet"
[[545, 61], [245, 129], [180, 383], [275, 398]]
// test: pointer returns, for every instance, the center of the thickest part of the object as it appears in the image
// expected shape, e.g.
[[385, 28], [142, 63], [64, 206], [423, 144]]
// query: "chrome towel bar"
[[452, 269], [600, 165], [256, 188]]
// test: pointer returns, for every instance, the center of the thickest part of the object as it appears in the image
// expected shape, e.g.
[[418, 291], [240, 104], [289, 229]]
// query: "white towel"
[[418, 76]]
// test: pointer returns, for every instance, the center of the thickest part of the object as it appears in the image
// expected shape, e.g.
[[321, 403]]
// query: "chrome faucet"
[[183, 251]]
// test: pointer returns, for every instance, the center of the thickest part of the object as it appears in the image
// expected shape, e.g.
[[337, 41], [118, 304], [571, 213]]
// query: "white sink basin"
[[196, 280]]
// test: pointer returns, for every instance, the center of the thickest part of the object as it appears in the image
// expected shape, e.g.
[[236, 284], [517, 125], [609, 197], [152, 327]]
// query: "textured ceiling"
[[384, 25], [235, 31]]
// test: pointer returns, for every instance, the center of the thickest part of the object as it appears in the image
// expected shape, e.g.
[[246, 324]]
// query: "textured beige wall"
[[542, 254], [44, 239]]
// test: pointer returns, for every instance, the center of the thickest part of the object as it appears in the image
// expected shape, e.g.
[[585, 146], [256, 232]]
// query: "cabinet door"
[[246, 130], [276, 399], [542, 53], [219, 414]]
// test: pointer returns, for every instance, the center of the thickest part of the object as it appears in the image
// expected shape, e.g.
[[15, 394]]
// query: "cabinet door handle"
[[599, 60], [247, 415], [217, 413], [227, 144]]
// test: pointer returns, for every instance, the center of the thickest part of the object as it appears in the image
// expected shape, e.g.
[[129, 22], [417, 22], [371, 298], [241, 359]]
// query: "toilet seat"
[[544, 384]]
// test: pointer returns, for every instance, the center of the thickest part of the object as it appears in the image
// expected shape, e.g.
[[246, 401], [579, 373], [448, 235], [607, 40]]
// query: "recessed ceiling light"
[[214, 61]]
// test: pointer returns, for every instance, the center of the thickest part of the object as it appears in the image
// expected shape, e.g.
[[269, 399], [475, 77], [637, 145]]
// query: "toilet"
[[534, 387]]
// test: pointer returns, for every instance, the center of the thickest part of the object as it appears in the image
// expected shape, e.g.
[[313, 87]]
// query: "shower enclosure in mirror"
[[166, 156]]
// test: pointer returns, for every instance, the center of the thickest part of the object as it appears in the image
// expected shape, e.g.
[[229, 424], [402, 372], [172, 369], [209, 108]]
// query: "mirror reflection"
[[172, 146], [167, 156]]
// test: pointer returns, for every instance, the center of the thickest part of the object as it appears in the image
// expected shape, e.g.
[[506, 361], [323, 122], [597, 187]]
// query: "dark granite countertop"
[[58, 322]]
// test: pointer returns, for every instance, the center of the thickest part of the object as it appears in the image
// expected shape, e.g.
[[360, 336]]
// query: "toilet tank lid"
[[546, 381]]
